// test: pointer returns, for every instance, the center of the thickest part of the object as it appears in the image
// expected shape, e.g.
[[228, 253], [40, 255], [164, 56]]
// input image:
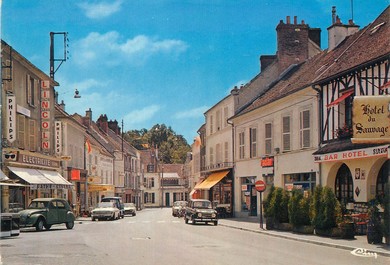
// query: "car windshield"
[[180, 203], [38, 205], [106, 205], [203, 204]]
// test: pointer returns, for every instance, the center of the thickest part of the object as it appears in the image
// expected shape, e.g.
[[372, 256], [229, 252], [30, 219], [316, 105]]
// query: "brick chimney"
[[113, 125], [296, 42], [102, 123], [337, 32]]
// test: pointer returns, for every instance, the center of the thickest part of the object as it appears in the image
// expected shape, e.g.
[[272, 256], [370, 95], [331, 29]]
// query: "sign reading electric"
[[45, 114]]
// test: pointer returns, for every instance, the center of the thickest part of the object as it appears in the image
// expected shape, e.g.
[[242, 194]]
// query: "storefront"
[[356, 172], [39, 174]]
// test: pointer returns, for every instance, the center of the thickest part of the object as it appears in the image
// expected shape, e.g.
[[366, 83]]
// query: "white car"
[[130, 209], [105, 211]]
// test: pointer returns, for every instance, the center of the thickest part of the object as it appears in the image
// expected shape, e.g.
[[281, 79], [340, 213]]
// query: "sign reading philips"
[[11, 118]]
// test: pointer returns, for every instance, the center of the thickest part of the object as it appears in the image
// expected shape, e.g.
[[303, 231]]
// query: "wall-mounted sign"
[[37, 161], [45, 114], [11, 119], [267, 161], [371, 119], [58, 137]]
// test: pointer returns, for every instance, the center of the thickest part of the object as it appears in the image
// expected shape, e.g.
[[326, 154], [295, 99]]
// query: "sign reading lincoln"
[[371, 119]]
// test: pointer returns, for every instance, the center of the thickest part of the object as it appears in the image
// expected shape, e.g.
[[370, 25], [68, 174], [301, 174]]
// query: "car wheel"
[[47, 227], [193, 221], [134, 214], [93, 219], [39, 225], [69, 225], [185, 220], [216, 223]]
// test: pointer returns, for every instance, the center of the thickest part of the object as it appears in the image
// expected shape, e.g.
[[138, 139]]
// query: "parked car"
[[200, 210], [45, 212], [15, 207], [105, 211], [118, 203], [178, 207], [129, 208]]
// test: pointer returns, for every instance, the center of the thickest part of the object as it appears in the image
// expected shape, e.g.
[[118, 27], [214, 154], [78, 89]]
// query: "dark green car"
[[45, 212]]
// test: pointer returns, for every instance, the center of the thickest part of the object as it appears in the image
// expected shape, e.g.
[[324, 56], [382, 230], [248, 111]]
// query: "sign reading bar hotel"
[[371, 119]]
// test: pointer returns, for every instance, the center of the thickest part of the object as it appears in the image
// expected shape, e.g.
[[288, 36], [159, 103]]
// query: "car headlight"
[[213, 215], [28, 215], [199, 215]]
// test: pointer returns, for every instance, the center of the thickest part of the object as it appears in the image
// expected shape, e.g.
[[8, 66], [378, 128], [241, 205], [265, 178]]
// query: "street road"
[[155, 237]]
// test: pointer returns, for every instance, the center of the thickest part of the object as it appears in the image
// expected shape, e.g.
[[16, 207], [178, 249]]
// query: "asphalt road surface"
[[153, 236]]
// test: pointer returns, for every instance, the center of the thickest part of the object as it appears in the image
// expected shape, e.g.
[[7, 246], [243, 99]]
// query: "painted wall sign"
[[37, 161], [353, 154], [45, 114], [11, 119], [371, 119], [58, 137]]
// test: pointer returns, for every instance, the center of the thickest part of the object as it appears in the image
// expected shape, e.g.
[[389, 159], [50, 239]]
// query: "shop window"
[[302, 181], [344, 185], [382, 179], [246, 188]]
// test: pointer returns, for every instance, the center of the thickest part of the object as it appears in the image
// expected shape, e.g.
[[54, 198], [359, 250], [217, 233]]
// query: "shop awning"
[[44, 179], [212, 180], [341, 98]]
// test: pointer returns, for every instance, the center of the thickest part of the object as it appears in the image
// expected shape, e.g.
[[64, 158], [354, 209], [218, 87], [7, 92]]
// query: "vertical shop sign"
[[45, 114], [58, 138], [11, 118]]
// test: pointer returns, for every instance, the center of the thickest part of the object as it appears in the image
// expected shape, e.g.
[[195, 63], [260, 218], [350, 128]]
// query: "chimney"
[[102, 123], [113, 125], [62, 105], [292, 43], [88, 115], [337, 32], [266, 60]]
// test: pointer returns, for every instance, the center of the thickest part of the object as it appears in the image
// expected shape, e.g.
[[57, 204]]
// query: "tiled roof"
[[366, 45]]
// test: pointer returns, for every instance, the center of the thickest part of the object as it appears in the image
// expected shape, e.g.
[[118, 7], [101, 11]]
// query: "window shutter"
[[21, 131], [32, 135]]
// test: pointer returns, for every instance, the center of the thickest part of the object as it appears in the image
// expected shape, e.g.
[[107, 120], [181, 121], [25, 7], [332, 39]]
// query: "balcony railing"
[[222, 165]]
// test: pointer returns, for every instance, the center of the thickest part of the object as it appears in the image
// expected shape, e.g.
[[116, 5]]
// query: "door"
[[253, 201], [167, 201], [52, 213]]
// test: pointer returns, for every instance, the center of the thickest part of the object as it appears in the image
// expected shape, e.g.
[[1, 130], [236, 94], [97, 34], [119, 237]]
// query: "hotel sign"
[[353, 154], [371, 119]]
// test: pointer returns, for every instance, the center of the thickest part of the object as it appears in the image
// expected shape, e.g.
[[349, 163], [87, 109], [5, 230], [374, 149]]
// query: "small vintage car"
[[105, 211], [45, 212], [178, 207], [118, 204], [130, 209], [200, 210]]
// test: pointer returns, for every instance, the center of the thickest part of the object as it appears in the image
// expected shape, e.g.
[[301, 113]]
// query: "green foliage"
[[268, 211], [172, 148], [386, 213], [298, 208], [324, 208], [278, 205]]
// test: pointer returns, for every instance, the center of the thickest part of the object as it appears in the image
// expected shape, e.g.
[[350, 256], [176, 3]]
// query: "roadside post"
[[260, 187]]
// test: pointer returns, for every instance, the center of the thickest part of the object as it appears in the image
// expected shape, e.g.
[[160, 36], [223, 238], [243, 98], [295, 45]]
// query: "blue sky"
[[160, 61]]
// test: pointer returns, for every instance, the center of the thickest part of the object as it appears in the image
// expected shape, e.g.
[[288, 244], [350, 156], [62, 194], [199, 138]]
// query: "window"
[[211, 156], [211, 124], [305, 129], [219, 120], [32, 135], [226, 152], [219, 153], [286, 134], [241, 145], [21, 131], [268, 138], [302, 181], [345, 112], [31, 88], [152, 182], [253, 142], [344, 185], [225, 116]]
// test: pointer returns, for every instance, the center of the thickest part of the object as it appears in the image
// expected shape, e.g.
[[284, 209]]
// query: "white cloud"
[[192, 113], [110, 49], [141, 115], [101, 9]]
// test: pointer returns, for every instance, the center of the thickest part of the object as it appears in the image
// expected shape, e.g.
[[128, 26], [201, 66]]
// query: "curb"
[[382, 253]]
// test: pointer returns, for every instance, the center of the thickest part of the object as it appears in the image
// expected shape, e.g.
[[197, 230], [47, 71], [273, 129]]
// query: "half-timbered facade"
[[358, 66]]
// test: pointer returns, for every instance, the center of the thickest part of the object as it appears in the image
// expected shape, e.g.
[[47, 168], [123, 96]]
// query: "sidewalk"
[[252, 224]]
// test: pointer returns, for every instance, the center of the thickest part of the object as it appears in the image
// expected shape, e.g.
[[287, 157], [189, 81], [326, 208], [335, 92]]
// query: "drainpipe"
[[234, 166], [320, 111]]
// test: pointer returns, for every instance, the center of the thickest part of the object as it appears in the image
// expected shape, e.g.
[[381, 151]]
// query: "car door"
[[61, 211], [52, 215]]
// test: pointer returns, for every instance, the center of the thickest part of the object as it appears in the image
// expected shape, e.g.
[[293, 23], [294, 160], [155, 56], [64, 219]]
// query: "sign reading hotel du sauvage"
[[371, 119]]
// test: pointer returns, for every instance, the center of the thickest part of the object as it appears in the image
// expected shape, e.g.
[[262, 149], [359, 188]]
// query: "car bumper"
[[205, 219], [101, 215]]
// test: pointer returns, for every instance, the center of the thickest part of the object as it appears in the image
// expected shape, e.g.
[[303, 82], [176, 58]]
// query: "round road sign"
[[260, 186]]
